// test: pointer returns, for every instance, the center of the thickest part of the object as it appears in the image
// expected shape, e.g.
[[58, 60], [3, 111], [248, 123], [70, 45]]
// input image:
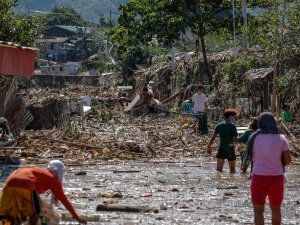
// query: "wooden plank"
[[120, 208], [135, 102]]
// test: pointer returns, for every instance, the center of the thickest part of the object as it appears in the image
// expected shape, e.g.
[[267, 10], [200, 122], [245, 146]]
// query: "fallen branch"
[[126, 171], [74, 144], [120, 208]]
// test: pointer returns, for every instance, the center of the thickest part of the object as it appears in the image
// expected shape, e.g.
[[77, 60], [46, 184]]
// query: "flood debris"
[[88, 218], [110, 195], [86, 139], [122, 208]]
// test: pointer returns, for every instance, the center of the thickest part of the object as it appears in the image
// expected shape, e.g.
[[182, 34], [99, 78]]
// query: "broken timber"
[[119, 208]]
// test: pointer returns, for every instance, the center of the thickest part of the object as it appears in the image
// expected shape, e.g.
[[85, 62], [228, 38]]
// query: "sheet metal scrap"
[[13, 108]]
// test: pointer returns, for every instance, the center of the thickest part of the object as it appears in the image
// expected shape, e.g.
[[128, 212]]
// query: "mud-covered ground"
[[186, 191]]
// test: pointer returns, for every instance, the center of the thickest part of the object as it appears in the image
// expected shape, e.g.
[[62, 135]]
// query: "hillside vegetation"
[[89, 10]]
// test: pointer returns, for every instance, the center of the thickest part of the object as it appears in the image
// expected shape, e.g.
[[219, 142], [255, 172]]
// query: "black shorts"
[[229, 155], [36, 206]]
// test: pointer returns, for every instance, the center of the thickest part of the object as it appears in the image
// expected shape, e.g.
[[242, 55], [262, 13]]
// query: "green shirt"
[[286, 117], [245, 136], [226, 131]]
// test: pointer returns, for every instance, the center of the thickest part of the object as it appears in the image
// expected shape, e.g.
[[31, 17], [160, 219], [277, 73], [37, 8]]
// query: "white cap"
[[58, 168]]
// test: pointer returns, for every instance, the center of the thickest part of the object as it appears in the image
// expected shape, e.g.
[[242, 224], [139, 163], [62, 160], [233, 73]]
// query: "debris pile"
[[86, 139], [189, 70]]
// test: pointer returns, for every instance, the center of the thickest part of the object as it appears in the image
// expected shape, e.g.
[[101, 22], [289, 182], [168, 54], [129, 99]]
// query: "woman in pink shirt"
[[269, 152]]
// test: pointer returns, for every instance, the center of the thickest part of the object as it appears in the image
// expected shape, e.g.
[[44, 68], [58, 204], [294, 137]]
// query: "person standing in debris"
[[151, 87], [20, 194], [269, 152], [200, 106], [145, 96], [5, 129], [199, 100], [285, 114], [243, 139], [123, 100], [228, 138]]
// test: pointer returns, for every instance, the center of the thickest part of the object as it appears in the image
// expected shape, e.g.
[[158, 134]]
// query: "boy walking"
[[228, 138]]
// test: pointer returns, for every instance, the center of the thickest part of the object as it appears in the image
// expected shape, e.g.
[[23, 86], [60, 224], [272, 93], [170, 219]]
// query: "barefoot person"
[[269, 152], [228, 138], [20, 195]]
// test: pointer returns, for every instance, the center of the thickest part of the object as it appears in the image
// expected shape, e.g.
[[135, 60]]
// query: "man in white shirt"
[[200, 101], [200, 106]]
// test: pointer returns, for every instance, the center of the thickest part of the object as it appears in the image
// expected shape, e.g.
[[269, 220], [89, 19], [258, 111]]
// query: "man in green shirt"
[[228, 138], [285, 115]]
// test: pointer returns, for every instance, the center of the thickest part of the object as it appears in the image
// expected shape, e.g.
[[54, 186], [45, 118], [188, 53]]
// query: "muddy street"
[[186, 191]]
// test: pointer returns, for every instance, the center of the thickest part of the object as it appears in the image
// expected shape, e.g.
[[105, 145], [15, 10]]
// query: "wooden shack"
[[260, 84]]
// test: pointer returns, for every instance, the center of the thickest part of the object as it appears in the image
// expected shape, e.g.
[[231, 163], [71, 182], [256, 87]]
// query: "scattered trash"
[[81, 173], [110, 195]]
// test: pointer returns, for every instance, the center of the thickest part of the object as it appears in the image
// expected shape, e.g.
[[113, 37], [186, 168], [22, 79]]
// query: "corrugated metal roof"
[[16, 60], [13, 108], [3, 90], [53, 40], [17, 115], [255, 74], [17, 46], [75, 29]]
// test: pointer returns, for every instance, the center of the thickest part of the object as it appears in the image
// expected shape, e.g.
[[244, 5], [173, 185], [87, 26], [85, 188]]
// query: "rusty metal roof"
[[255, 74], [16, 45]]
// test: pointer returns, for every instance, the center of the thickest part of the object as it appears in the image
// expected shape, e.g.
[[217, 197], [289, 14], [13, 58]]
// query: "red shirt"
[[145, 96], [41, 180]]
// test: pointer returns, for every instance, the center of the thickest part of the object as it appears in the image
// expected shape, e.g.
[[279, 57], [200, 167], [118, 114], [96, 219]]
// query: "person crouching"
[[20, 194]]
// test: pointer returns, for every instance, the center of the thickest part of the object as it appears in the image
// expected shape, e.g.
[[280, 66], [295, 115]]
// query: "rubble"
[[84, 140]]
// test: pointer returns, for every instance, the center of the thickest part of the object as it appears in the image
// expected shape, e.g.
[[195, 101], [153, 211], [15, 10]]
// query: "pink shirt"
[[267, 153]]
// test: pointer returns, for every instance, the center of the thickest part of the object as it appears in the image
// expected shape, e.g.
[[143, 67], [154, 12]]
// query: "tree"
[[276, 33], [63, 15], [141, 20], [205, 17], [19, 29]]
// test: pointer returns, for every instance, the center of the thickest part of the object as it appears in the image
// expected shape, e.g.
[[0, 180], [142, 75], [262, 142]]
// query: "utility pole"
[[233, 21], [110, 11], [29, 8], [245, 25]]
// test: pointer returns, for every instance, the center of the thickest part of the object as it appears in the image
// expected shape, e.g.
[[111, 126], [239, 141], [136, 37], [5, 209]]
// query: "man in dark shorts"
[[228, 138]]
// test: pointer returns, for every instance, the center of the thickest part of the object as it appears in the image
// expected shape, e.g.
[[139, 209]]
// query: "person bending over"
[[20, 194]]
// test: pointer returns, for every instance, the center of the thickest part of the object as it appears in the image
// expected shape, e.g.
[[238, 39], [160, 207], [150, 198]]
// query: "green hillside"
[[89, 9]]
